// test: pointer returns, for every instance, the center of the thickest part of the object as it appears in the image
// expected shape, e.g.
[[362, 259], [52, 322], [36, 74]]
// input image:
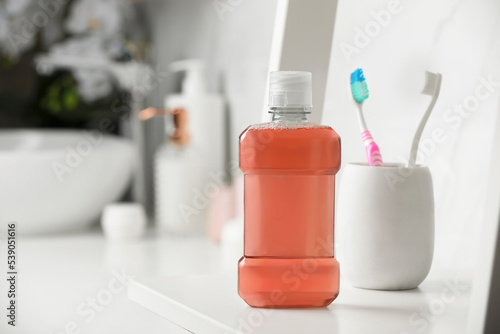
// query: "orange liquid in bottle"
[[289, 215]]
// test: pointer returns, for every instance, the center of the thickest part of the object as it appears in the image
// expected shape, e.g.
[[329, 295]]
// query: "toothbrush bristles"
[[359, 87], [431, 82]]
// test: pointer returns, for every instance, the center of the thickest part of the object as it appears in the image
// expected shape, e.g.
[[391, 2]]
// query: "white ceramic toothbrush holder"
[[385, 226]]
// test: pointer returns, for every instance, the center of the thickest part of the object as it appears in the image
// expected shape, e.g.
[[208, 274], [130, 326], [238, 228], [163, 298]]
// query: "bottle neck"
[[289, 114]]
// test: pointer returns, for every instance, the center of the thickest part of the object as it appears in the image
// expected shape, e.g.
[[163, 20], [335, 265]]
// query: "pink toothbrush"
[[360, 94]]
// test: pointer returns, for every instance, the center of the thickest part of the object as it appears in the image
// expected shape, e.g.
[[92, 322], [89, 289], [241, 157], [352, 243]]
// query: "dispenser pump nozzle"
[[194, 82]]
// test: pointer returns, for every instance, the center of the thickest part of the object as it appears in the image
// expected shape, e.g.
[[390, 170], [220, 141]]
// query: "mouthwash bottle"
[[289, 166]]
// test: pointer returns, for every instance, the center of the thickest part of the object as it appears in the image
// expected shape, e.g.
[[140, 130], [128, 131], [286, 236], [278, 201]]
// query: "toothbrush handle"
[[372, 150]]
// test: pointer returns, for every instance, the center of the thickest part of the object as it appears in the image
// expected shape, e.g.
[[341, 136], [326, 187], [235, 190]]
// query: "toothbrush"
[[431, 88], [360, 94]]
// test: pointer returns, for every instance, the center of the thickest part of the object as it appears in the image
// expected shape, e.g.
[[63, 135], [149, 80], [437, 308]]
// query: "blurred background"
[[142, 102], [95, 64]]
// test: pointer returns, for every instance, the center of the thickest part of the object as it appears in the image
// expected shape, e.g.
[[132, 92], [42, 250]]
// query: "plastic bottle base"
[[288, 282]]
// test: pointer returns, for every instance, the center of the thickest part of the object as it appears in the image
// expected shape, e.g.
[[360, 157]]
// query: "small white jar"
[[123, 221], [385, 226]]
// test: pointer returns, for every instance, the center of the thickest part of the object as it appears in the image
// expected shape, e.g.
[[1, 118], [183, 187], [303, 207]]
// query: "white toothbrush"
[[432, 88]]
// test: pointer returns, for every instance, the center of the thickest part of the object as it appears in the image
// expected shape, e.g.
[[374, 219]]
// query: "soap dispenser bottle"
[[289, 166], [184, 169]]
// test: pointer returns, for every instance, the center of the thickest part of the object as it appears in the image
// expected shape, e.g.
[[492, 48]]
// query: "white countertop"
[[209, 304], [60, 277], [58, 273]]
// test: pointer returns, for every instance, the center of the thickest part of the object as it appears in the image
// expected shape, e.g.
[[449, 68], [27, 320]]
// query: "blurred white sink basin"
[[54, 181]]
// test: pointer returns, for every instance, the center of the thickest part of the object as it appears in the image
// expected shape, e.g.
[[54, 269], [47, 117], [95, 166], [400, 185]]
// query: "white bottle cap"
[[290, 89], [123, 221]]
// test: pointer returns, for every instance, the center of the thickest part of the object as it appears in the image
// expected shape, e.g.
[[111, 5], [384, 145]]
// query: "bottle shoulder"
[[286, 125], [290, 128], [276, 147]]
